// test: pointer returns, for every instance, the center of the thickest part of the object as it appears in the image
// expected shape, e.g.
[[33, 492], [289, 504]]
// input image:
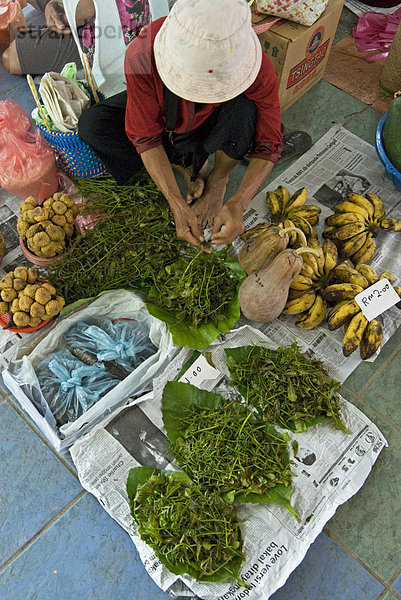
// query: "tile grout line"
[[375, 376], [379, 414], [394, 578], [355, 557], [385, 592], [44, 528], [40, 435], [354, 115], [13, 89]]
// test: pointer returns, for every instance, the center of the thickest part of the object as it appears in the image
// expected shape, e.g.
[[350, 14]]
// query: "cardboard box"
[[299, 54]]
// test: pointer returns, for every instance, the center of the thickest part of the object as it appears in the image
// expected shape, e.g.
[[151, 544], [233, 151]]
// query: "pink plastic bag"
[[27, 162], [375, 31]]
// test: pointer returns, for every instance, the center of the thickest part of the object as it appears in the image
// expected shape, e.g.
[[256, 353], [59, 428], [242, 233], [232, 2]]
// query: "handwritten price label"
[[377, 298], [199, 371]]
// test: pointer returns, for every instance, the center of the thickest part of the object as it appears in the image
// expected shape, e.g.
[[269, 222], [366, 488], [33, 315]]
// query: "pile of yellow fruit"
[[28, 300], [356, 223], [47, 229]]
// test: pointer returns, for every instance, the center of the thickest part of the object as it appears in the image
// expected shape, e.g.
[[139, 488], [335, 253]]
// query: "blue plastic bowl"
[[389, 167]]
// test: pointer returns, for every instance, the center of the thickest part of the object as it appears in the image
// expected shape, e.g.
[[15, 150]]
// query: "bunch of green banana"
[[289, 210], [358, 331], [307, 289], [354, 225]]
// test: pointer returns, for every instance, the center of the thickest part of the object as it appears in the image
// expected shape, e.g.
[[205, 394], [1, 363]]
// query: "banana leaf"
[[198, 337], [190, 531], [222, 445], [289, 389]]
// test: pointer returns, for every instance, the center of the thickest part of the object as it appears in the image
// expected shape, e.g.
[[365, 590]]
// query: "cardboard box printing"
[[299, 54]]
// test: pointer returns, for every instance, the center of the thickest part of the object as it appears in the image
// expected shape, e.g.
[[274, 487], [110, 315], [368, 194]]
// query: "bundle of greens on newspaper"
[[224, 446], [191, 530]]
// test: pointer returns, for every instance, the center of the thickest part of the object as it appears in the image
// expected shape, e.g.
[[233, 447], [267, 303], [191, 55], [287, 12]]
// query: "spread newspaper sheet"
[[329, 468]]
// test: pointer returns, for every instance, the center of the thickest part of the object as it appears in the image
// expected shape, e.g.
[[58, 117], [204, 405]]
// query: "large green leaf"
[[200, 337], [140, 475], [179, 399], [152, 530]]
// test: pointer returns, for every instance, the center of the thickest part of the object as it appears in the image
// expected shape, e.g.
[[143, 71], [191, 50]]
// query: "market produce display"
[[358, 331], [28, 299], [225, 447], [134, 245], [191, 530], [355, 223], [47, 228], [285, 386]]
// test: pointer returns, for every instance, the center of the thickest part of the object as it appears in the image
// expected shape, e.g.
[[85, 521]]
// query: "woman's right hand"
[[55, 17]]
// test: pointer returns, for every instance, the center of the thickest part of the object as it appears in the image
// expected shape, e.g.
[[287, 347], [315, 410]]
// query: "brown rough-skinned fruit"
[[263, 294], [259, 250]]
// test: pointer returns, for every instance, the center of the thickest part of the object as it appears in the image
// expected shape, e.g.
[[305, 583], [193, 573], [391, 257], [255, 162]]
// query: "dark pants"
[[230, 128]]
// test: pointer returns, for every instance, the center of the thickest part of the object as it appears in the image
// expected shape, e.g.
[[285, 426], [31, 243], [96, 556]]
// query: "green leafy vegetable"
[[285, 386], [124, 250], [133, 244], [197, 296], [104, 193], [191, 531], [223, 446]]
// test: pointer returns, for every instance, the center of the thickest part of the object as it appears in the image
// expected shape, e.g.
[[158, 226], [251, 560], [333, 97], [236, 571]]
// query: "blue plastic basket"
[[388, 165], [75, 156]]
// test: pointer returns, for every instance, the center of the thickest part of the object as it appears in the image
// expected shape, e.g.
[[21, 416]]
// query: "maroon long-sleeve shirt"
[[145, 118]]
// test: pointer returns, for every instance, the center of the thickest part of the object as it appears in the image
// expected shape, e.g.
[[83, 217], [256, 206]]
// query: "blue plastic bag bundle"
[[121, 345], [70, 386]]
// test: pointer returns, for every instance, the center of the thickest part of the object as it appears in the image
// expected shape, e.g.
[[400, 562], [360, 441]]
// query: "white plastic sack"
[[64, 101], [23, 383]]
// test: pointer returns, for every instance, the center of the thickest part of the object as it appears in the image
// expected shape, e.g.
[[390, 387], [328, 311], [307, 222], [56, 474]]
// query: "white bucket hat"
[[206, 50]]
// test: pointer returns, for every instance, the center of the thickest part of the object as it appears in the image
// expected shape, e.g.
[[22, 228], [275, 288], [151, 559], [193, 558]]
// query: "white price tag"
[[377, 298], [199, 371]]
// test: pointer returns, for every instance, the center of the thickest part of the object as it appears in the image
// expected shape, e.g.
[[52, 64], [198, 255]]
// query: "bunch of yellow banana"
[[290, 210], [296, 237], [307, 289], [355, 223], [358, 331]]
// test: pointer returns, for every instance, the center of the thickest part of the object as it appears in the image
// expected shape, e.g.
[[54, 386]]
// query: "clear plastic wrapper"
[[70, 386], [123, 343]]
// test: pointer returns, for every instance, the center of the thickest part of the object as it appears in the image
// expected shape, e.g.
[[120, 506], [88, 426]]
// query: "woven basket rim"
[[58, 133]]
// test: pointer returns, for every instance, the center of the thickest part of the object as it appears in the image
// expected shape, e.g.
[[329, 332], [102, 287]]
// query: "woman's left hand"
[[228, 224]]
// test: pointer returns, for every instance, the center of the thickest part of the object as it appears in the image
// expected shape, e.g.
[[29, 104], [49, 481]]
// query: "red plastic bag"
[[376, 31], [27, 162]]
